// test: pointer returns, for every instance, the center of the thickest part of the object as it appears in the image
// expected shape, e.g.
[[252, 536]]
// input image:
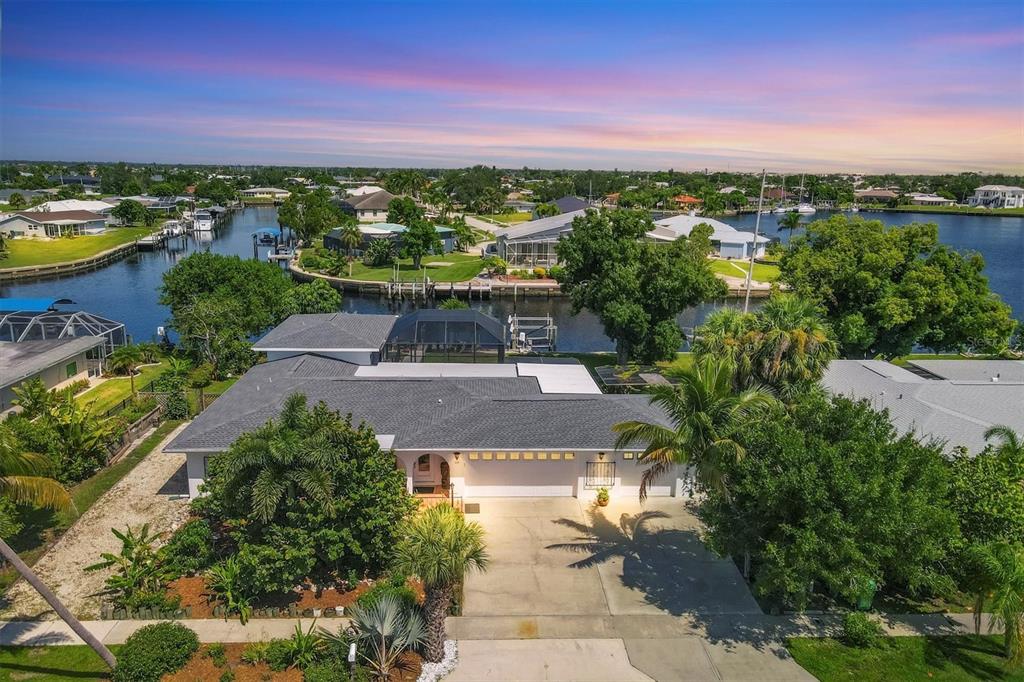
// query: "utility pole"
[[753, 247]]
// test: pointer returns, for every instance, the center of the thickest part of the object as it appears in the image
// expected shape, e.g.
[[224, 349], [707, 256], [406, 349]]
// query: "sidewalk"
[[730, 628]]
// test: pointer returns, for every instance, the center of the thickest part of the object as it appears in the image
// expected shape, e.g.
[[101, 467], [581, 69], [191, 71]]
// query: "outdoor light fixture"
[[600, 456], [456, 456]]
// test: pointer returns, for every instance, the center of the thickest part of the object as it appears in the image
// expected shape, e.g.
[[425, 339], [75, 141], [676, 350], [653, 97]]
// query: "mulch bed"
[[201, 667], [193, 593]]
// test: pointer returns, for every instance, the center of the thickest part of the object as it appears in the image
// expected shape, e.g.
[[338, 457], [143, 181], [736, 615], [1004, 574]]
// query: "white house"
[[369, 208], [55, 362], [997, 196], [922, 199], [727, 240], [52, 224], [93, 205], [265, 193], [363, 190], [459, 429]]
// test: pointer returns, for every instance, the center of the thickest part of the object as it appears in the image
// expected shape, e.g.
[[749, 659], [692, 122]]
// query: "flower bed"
[[204, 667], [199, 601]]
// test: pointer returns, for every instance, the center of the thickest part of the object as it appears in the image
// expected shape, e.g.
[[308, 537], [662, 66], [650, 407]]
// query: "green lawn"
[[936, 659], [42, 525], [53, 663], [508, 218], [464, 266], [114, 390], [22, 252], [734, 268], [966, 210]]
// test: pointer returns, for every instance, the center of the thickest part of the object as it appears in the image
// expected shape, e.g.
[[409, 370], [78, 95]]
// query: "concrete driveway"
[[556, 556]]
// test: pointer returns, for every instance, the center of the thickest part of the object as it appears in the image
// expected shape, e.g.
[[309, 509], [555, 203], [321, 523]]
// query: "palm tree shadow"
[[662, 563], [967, 653]]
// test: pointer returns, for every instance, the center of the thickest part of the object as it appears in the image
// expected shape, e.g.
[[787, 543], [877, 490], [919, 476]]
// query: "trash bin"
[[866, 597]]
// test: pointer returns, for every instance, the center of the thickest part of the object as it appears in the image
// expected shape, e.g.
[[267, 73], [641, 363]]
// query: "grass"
[[508, 218], [52, 663], [114, 390], [463, 267], [733, 268], [965, 210], [23, 252], [937, 659], [42, 526]]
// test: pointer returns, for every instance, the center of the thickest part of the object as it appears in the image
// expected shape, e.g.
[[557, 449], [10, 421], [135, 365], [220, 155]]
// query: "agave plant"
[[385, 631]]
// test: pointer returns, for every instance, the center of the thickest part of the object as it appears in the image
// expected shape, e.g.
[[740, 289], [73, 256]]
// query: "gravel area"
[[133, 501]]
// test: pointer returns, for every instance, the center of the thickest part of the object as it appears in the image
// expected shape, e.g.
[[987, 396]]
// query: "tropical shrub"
[[216, 653], [191, 549], [224, 580], [255, 652], [176, 405], [386, 630], [308, 496], [556, 271], [453, 304], [396, 586], [496, 265], [540, 273], [379, 253], [859, 630], [333, 671], [140, 571], [153, 651], [278, 655]]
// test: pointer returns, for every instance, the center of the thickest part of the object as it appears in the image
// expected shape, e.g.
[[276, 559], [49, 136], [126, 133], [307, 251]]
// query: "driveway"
[[625, 592], [556, 556]]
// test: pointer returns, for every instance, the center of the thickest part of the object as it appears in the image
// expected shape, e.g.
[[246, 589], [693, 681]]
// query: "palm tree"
[[351, 237], [796, 345], [789, 221], [33, 398], [388, 629], [997, 571], [149, 351], [23, 481], [703, 410], [440, 548], [124, 360], [1010, 447], [728, 333], [285, 459]]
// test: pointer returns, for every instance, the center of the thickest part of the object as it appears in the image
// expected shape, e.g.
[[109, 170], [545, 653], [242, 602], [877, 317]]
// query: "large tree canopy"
[[830, 498], [311, 214], [886, 289], [635, 286]]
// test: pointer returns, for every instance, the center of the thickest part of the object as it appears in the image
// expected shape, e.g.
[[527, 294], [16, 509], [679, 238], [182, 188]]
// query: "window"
[[71, 369], [600, 474], [423, 463]]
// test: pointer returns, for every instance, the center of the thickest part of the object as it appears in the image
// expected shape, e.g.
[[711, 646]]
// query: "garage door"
[[535, 477]]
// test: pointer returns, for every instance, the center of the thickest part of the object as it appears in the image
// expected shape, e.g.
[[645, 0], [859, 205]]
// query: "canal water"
[[127, 290]]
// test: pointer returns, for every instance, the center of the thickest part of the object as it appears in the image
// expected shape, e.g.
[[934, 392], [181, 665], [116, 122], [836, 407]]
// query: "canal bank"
[[127, 290]]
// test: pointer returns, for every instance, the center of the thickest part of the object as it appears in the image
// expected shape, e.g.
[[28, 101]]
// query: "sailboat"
[[802, 208]]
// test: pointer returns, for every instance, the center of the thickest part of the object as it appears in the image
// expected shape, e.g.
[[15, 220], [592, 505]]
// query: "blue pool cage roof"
[[272, 231], [30, 305]]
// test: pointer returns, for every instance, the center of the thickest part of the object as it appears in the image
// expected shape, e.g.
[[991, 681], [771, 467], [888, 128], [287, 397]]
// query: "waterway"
[[127, 290]]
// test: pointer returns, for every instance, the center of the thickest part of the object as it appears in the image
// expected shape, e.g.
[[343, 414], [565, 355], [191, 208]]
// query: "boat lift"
[[532, 334]]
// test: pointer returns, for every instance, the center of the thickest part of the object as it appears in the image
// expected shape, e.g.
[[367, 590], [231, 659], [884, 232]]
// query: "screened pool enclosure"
[[435, 335]]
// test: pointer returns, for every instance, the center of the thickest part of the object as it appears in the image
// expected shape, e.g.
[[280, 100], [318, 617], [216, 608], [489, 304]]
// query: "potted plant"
[[602, 497]]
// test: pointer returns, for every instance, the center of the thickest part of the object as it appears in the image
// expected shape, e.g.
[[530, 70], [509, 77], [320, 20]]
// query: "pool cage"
[[29, 325], [435, 335]]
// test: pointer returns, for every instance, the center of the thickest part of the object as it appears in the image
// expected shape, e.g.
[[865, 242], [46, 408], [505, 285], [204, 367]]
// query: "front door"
[[446, 475], [424, 470]]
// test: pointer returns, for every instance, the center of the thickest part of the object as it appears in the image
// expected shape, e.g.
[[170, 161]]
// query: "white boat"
[[203, 221]]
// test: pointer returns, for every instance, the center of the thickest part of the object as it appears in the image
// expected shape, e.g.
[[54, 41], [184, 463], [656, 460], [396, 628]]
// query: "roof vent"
[[995, 379]]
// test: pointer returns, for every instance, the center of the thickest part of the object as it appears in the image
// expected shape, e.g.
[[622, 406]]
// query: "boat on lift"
[[203, 221]]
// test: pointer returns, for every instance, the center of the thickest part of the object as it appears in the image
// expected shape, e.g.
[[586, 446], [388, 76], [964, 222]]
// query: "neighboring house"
[[52, 224], [875, 196], [570, 204], [464, 430], [922, 199], [532, 244], [38, 319], [997, 196], [685, 202], [57, 362], [778, 194], [83, 180], [394, 231], [369, 208], [26, 194], [727, 240], [520, 205], [953, 401], [93, 205], [363, 190], [265, 193]]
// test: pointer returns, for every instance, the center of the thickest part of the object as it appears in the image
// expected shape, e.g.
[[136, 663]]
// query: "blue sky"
[[910, 86]]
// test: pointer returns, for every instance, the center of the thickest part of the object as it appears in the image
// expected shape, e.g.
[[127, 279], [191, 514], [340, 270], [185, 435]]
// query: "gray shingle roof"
[[334, 331], [955, 412], [21, 360], [453, 413], [556, 223], [974, 370]]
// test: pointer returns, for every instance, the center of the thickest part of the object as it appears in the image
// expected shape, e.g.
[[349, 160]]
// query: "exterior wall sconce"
[[456, 456], [600, 456]]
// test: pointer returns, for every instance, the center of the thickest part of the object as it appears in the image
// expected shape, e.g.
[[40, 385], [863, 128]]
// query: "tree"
[[998, 570], [16, 201], [310, 215], [546, 210], [785, 344], [124, 360], [70, 192], [830, 499], [420, 239], [405, 181], [23, 480], [404, 211], [379, 252], [987, 489], [33, 398], [636, 287], [886, 289], [216, 190], [440, 547], [464, 234], [129, 212], [789, 221], [703, 411], [351, 238], [308, 495], [162, 189], [315, 297]]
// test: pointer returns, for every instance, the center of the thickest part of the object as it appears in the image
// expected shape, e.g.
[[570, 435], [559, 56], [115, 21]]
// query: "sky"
[[902, 86]]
